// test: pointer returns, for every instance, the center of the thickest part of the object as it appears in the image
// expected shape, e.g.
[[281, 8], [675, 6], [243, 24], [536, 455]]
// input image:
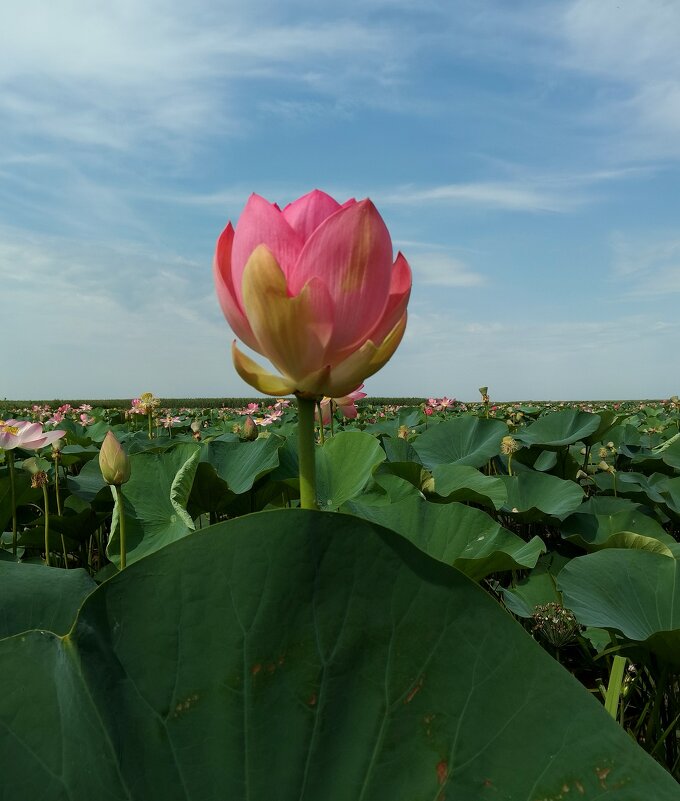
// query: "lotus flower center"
[[6, 429]]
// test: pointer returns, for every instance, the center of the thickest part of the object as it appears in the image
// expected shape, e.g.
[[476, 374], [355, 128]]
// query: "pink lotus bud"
[[113, 461], [312, 288]]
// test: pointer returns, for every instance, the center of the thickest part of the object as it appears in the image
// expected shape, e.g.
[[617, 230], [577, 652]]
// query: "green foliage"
[[302, 655], [575, 505]]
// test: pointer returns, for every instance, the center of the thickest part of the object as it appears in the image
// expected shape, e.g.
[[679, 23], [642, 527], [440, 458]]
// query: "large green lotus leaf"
[[636, 486], [209, 493], [344, 466], [288, 470], [545, 461], [670, 453], [458, 482], [23, 494], [395, 488], [628, 539], [465, 440], [458, 535], [399, 450], [155, 500], [89, 483], [600, 519], [670, 491], [632, 591], [531, 495], [240, 464], [412, 472], [608, 421], [557, 429], [299, 656], [39, 597]]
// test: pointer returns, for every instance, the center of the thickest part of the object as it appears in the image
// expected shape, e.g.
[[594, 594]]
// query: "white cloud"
[[635, 47], [125, 73], [441, 269], [103, 320]]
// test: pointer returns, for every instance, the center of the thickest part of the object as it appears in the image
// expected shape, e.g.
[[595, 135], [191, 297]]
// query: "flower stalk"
[[307, 466], [121, 526], [13, 495]]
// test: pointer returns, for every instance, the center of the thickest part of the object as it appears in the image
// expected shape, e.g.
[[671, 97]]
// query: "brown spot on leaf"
[[579, 787], [602, 774], [312, 700], [414, 690], [256, 669], [442, 771]]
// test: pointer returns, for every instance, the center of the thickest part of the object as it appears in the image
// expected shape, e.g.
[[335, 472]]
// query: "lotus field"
[[324, 596]]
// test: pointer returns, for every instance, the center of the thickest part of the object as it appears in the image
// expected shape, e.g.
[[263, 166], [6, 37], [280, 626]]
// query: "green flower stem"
[[46, 501], [13, 494], [322, 433], [306, 409], [149, 418], [121, 526], [56, 485], [331, 406]]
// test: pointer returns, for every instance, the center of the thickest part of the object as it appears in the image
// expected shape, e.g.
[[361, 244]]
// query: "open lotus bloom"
[[26, 435], [313, 288], [345, 405]]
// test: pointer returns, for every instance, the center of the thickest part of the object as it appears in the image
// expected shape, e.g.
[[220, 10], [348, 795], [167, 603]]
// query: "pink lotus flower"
[[346, 405], [313, 289], [29, 436]]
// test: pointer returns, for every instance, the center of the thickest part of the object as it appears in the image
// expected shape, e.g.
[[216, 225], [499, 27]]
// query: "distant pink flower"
[[312, 288], [346, 405], [29, 436], [86, 419], [429, 410]]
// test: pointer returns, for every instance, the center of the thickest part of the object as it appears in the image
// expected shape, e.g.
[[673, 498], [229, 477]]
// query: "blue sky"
[[525, 156]]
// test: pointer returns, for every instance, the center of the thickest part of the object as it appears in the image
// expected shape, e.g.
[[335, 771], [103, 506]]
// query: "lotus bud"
[[249, 429], [403, 432], [113, 461]]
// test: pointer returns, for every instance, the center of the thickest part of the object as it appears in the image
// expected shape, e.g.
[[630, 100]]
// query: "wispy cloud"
[[646, 266], [97, 320], [635, 48], [441, 269], [127, 73], [523, 192]]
